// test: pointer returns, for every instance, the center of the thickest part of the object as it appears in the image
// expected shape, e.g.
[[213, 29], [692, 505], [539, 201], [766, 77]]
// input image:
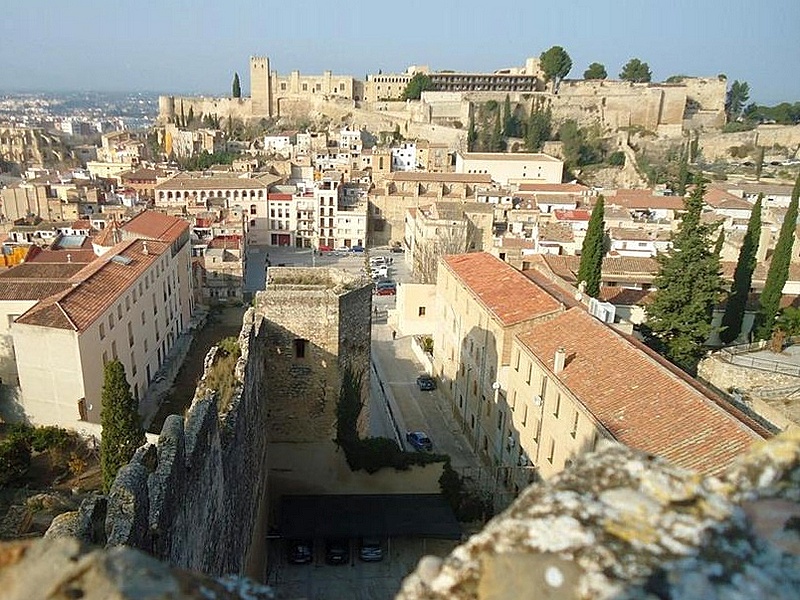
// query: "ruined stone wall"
[[170, 107], [193, 499], [776, 139], [330, 319]]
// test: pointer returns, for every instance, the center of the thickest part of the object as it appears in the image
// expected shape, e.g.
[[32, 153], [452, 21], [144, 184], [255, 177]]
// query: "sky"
[[184, 47]]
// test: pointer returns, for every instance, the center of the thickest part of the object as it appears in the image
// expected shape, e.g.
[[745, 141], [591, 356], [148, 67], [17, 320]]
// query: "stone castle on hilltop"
[[664, 108]]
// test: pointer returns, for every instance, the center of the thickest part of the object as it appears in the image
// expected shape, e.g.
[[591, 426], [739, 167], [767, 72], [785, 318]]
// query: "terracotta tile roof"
[[46, 271], [515, 156], [95, 288], [32, 289], [184, 181], [637, 233], [718, 198], [554, 188], [556, 232], [442, 177], [515, 242], [155, 225], [505, 292], [572, 215], [639, 401], [566, 266], [624, 296], [644, 201], [64, 255]]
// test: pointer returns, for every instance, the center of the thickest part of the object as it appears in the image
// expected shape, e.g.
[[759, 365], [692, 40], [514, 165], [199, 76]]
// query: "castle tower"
[[260, 86]]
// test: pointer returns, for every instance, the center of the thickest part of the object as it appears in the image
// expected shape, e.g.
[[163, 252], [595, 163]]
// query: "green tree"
[[556, 64], [510, 124], [472, 135], [636, 71], [593, 250], [496, 141], [759, 158], [688, 286], [578, 150], [236, 87], [719, 243], [539, 129], [736, 99], [742, 277], [778, 271], [418, 84], [122, 427], [190, 118], [595, 70], [683, 175]]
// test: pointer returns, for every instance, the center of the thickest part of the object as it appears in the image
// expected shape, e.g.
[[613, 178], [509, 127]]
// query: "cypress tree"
[[122, 427], [472, 135], [742, 277], [236, 88], [778, 271], [496, 141], [509, 121], [688, 285], [191, 116], [592, 251]]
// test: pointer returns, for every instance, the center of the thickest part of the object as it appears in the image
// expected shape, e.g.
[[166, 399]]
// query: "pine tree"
[[191, 116], [236, 88], [742, 277], [778, 271], [593, 250], [122, 427], [688, 286]]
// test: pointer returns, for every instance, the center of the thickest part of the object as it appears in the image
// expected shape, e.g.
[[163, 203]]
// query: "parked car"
[[342, 250], [325, 249], [376, 261], [337, 551], [381, 271], [370, 550], [419, 441], [426, 383], [357, 249], [386, 291], [300, 552], [397, 249]]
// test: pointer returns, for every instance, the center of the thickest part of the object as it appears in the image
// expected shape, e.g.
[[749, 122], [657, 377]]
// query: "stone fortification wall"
[[327, 312], [717, 146], [170, 106], [193, 499]]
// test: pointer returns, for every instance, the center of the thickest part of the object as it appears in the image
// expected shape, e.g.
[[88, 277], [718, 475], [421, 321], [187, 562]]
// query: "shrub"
[[50, 438], [617, 159], [15, 458]]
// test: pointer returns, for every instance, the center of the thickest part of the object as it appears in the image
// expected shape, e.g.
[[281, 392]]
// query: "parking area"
[[355, 579]]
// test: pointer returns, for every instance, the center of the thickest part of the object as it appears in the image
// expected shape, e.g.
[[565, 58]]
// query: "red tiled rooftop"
[[505, 292], [95, 287], [641, 402], [571, 215], [551, 188], [155, 225]]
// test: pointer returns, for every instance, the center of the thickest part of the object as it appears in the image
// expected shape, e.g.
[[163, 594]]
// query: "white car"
[[382, 271]]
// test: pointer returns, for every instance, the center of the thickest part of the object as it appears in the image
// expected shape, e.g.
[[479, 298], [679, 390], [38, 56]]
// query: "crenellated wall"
[[196, 498]]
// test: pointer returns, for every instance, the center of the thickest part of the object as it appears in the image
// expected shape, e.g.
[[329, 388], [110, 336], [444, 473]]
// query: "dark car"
[[370, 550], [426, 383], [357, 249], [300, 552], [397, 249], [337, 551], [419, 441]]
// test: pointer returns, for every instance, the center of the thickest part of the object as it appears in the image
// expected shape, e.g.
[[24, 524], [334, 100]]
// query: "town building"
[[534, 380], [131, 303], [512, 167]]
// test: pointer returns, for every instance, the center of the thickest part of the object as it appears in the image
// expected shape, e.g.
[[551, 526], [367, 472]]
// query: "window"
[[119, 311], [111, 321], [516, 361], [528, 376], [133, 365], [574, 431], [127, 303], [558, 405], [143, 320], [513, 402], [524, 415], [130, 334], [105, 358], [421, 311], [499, 420], [102, 331], [488, 405], [114, 350], [300, 348], [552, 451]]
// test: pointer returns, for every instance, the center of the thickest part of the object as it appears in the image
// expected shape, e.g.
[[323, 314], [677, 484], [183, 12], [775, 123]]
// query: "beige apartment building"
[[535, 382], [512, 167], [131, 303]]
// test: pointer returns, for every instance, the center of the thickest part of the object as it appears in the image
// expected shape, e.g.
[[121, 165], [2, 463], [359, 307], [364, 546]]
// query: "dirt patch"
[[221, 323]]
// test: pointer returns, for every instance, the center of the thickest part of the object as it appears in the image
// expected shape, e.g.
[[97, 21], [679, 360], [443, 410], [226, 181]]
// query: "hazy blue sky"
[[182, 46]]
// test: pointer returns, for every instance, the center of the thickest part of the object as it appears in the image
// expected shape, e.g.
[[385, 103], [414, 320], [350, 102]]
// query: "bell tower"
[[260, 86]]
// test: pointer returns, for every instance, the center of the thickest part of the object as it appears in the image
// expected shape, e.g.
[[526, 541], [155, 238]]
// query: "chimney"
[[560, 360], [144, 247], [764, 240]]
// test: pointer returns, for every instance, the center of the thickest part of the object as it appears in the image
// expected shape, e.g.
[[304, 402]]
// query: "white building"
[[404, 158], [505, 167]]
